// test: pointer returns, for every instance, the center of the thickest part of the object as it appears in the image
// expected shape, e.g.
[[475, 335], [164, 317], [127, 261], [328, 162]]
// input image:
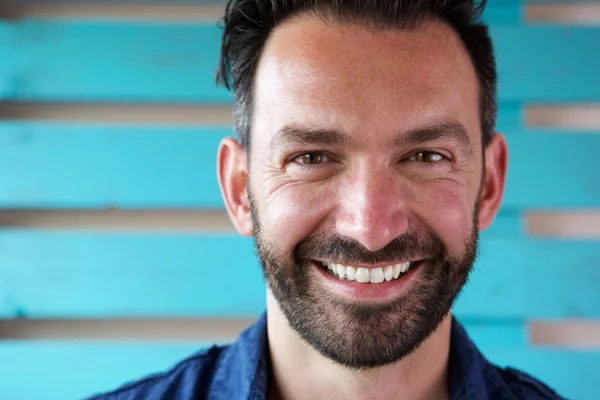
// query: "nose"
[[372, 210]]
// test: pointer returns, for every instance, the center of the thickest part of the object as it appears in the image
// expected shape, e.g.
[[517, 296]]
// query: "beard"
[[354, 334]]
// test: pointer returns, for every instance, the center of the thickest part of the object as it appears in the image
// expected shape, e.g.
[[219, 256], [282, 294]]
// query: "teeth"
[[405, 267], [376, 275], [367, 275], [351, 273], [341, 271], [388, 273], [397, 269], [362, 275]]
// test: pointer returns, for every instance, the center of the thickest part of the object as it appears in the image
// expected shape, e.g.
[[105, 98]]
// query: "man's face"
[[365, 152]]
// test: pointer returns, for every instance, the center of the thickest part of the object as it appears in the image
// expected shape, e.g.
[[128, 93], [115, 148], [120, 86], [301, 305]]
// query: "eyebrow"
[[294, 136], [449, 131], [290, 136]]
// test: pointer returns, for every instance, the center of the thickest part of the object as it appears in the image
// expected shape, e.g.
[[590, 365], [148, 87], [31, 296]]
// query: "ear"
[[496, 159], [232, 171]]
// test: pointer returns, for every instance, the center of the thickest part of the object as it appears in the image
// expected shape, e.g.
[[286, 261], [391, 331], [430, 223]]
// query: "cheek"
[[447, 209], [294, 213]]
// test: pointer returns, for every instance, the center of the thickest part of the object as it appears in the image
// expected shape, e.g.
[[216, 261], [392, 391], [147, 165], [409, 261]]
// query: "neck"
[[299, 372]]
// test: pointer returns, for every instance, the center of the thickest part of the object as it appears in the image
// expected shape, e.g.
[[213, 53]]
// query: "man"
[[366, 165]]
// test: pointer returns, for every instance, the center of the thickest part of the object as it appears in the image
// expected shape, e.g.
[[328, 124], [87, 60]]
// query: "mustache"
[[413, 244]]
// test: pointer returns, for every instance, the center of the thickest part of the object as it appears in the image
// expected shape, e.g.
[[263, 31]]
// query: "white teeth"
[[341, 271], [405, 266], [376, 275], [388, 273], [397, 269], [367, 275], [351, 273], [362, 275]]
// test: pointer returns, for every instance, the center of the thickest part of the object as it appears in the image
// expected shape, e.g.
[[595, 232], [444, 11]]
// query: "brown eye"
[[427, 157], [311, 158]]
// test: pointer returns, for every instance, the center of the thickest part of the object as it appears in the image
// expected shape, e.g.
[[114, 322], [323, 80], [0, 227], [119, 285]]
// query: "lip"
[[380, 265], [369, 291]]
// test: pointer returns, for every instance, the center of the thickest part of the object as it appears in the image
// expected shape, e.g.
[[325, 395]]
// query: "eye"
[[312, 158], [427, 157]]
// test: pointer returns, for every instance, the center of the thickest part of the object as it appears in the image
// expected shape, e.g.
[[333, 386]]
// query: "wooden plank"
[[507, 224], [74, 370], [65, 274], [547, 64], [45, 60], [78, 369], [53, 60], [59, 165], [573, 374], [51, 274], [507, 12], [125, 167], [175, 11], [539, 159], [533, 278], [489, 332]]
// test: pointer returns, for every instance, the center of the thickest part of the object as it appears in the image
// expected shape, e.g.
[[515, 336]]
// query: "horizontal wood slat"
[[54, 165], [139, 275], [567, 224], [72, 370], [121, 113], [506, 12], [149, 330], [98, 367], [579, 117], [534, 278], [171, 11], [566, 13], [46, 60], [57, 274], [550, 366], [163, 221]]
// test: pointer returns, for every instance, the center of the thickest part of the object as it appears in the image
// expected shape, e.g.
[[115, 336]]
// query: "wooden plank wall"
[[112, 228]]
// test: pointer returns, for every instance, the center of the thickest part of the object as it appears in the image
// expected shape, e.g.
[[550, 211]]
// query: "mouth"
[[369, 274]]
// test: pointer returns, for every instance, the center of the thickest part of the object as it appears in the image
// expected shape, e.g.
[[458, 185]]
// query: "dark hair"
[[248, 23]]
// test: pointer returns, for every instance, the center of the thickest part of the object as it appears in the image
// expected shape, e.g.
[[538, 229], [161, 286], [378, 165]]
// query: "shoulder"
[[525, 387], [186, 380]]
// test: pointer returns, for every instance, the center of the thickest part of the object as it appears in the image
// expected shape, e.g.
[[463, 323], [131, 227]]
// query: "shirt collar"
[[243, 368], [246, 362], [471, 376]]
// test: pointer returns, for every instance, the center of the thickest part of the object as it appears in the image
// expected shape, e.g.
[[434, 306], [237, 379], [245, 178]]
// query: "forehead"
[[345, 76]]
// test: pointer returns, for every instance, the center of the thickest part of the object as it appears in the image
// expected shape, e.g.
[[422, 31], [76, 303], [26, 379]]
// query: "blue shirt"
[[239, 371]]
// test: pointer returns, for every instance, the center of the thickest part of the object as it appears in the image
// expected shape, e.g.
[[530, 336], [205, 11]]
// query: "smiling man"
[[366, 163]]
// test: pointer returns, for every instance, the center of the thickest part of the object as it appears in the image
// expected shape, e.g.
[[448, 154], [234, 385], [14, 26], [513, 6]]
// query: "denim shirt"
[[240, 371]]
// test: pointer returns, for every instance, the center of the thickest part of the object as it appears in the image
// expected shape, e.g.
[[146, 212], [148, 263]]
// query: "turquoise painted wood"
[[32, 370], [86, 274], [494, 332], [108, 61], [97, 367], [574, 374], [68, 166], [48, 274], [534, 278], [104, 274], [112, 61], [53, 165], [506, 12]]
